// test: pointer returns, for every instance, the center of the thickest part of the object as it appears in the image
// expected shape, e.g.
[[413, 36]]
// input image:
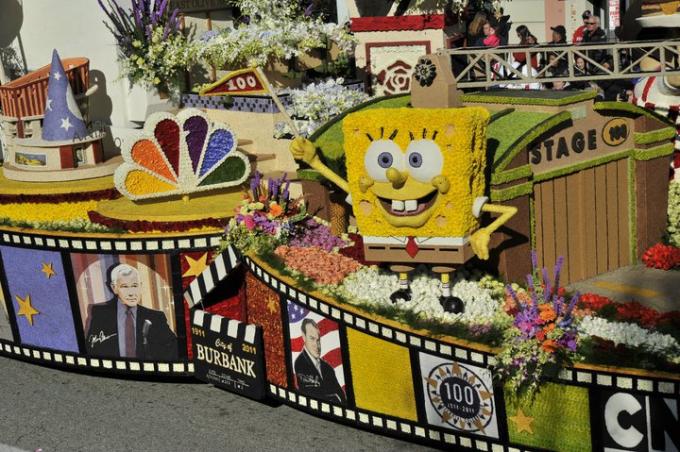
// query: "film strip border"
[[371, 327], [98, 244], [218, 270], [228, 260], [649, 384], [75, 361], [218, 324], [391, 426]]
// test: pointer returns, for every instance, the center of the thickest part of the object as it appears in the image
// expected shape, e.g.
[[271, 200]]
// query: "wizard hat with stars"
[[63, 120]]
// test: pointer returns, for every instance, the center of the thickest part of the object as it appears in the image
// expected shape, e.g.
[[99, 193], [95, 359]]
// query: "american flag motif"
[[330, 338]]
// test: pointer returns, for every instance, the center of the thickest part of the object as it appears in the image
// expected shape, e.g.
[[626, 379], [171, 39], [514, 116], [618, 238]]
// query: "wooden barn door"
[[584, 218]]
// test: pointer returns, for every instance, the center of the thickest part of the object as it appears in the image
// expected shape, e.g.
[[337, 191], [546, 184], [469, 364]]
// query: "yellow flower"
[[136, 43], [156, 81], [140, 60]]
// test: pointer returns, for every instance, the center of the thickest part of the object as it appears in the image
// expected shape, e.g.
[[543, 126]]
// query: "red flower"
[[593, 302], [662, 256], [636, 312]]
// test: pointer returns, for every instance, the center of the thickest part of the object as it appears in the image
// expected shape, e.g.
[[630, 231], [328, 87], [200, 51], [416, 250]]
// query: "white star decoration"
[[66, 124], [49, 104], [56, 75]]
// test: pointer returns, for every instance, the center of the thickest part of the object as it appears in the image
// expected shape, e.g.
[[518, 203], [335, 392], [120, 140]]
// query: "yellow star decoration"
[[522, 422], [272, 305], [48, 270], [196, 266], [26, 309]]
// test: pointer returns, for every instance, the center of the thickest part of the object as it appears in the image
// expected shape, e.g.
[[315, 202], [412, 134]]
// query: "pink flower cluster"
[[320, 265]]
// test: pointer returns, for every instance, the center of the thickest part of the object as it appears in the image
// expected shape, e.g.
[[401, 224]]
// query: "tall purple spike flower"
[[558, 270]]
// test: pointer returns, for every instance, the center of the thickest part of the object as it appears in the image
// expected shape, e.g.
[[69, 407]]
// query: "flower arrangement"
[[543, 336], [153, 51], [663, 257], [317, 263], [314, 232], [270, 30], [265, 217], [318, 103]]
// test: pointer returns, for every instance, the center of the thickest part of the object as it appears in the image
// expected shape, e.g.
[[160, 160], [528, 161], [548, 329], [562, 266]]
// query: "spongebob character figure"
[[416, 182]]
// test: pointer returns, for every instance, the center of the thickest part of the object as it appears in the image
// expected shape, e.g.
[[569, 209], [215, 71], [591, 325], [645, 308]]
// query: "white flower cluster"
[[161, 61], [674, 213], [275, 30], [631, 335], [317, 103], [369, 285]]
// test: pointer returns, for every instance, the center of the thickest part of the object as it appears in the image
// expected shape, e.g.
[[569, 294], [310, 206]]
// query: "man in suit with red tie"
[[122, 328]]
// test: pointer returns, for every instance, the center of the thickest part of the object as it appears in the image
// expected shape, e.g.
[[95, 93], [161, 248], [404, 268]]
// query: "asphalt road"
[[53, 410]]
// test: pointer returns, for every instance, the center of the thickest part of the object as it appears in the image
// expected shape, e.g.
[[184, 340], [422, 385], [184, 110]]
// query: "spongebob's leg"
[[448, 301], [404, 291]]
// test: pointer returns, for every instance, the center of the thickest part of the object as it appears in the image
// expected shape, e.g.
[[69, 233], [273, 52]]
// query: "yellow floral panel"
[[381, 376]]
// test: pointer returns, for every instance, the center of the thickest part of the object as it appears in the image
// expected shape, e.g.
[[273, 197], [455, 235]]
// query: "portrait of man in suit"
[[122, 328], [314, 376]]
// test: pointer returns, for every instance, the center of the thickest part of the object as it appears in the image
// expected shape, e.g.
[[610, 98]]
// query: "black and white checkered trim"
[[141, 244], [211, 276], [649, 384], [75, 361], [390, 425], [371, 327], [222, 325], [576, 376]]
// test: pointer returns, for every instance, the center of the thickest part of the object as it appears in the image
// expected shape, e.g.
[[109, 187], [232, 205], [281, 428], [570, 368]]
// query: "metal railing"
[[482, 67]]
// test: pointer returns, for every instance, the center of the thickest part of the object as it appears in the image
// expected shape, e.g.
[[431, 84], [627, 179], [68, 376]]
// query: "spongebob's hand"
[[480, 243], [303, 149]]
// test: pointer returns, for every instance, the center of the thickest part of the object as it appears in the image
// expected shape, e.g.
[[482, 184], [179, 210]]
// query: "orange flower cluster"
[[320, 265]]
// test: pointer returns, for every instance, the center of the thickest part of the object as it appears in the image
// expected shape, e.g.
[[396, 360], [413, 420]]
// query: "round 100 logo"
[[460, 397]]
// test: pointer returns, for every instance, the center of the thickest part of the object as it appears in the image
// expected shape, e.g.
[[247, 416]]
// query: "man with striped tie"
[[314, 376]]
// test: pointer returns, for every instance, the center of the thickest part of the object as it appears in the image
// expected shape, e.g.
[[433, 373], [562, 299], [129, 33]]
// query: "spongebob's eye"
[[381, 155], [425, 160], [385, 159]]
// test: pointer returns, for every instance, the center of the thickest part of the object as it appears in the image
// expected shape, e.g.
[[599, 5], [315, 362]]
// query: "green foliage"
[[521, 97]]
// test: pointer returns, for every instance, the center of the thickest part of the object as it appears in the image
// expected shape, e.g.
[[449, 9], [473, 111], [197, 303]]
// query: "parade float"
[[401, 269]]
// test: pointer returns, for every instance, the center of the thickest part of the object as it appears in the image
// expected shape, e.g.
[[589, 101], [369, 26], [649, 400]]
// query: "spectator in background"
[[612, 90], [577, 37], [503, 27], [475, 34], [525, 39], [559, 37], [491, 39], [595, 35], [579, 71]]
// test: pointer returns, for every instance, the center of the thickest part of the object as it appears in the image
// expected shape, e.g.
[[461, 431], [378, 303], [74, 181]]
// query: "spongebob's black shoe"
[[401, 294], [452, 304]]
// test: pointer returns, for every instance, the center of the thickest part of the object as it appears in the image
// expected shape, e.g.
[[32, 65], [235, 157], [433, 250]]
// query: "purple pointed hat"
[[63, 120]]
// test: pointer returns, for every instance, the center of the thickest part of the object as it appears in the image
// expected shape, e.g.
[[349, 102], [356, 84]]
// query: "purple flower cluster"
[[310, 233], [546, 309], [137, 24]]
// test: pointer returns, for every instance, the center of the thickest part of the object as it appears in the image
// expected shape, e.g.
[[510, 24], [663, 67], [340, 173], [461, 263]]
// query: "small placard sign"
[[228, 354]]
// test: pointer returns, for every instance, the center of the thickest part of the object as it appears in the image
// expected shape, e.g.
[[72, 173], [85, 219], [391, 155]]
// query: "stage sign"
[[228, 354], [634, 422]]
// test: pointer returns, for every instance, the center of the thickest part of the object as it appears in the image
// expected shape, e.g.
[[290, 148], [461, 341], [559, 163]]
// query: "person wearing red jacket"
[[577, 37]]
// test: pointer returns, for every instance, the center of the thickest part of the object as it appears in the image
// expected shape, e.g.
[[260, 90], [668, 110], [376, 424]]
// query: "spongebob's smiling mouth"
[[409, 207]]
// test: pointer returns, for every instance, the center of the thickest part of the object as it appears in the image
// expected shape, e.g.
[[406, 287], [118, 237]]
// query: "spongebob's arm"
[[303, 149], [480, 239]]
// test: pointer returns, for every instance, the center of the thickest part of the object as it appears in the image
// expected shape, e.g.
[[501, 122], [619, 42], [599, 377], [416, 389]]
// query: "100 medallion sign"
[[228, 354]]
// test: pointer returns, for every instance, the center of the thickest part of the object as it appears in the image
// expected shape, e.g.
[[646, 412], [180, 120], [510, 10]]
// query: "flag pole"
[[279, 104]]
